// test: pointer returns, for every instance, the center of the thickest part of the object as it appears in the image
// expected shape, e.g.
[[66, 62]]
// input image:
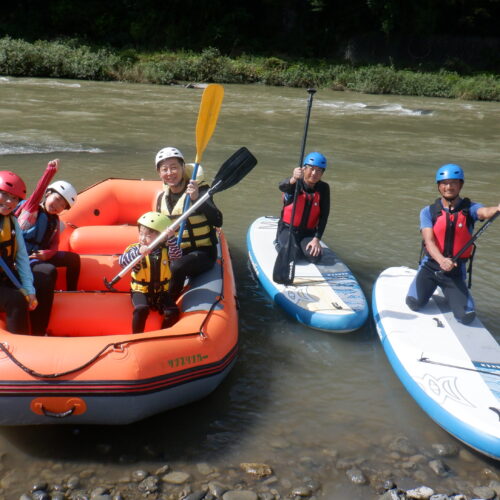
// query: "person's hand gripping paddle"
[[284, 266], [211, 101]]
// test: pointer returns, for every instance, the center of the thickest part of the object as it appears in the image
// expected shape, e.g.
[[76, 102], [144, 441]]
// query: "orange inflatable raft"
[[90, 369]]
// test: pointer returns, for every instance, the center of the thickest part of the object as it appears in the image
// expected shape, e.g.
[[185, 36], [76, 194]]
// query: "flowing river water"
[[296, 395]]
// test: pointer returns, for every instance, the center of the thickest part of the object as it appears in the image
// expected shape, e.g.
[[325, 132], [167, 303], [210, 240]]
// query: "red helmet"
[[13, 184]]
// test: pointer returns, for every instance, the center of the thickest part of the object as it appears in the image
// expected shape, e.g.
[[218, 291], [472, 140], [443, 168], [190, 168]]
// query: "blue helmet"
[[450, 171], [315, 160]]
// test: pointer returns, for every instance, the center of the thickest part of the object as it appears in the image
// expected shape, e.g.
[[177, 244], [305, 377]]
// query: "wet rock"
[[302, 491], [217, 489], [87, 473], [162, 470], [79, 495], [24, 496], [421, 493], [39, 485], [267, 495], [57, 496], [393, 494], [197, 495], [445, 450], [40, 495], [487, 474], [439, 468], [439, 496], [356, 476], [401, 444], [150, 485], [73, 482], [176, 477], [312, 484], [139, 475], [240, 495], [204, 468], [484, 492], [346, 463], [256, 469], [279, 443], [99, 492], [495, 485]]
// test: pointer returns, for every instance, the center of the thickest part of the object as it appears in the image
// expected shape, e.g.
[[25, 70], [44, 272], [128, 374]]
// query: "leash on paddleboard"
[[424, 359]]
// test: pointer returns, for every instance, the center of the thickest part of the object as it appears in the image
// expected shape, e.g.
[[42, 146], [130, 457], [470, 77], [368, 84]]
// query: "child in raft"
[[151, 277], [42, 245], [14, 263]]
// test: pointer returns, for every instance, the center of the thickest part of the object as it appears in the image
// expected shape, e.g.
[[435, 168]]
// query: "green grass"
[[68, 59]]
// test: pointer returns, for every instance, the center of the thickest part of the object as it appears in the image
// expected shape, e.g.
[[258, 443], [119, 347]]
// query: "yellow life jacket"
[[154, 275], [8, 241], [197, 232]]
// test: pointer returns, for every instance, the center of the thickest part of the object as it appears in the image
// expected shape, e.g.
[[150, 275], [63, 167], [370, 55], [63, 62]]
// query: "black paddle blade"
[[284, 266], [237, 166]]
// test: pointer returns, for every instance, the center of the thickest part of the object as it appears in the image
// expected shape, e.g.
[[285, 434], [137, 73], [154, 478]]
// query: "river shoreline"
[[397, 469], [75, 61]]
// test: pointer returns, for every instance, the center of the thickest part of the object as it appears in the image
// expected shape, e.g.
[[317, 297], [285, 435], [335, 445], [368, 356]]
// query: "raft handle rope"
[[4, 346]]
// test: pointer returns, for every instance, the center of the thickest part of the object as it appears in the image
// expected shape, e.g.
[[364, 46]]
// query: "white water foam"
[[386, 109]]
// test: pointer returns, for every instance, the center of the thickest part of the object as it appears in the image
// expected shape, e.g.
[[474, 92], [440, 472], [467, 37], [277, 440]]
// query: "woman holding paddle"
[[446, 228], [310, 210], [198, 241]]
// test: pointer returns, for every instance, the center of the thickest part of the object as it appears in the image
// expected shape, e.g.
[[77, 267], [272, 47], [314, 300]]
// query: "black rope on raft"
[[118, 345]]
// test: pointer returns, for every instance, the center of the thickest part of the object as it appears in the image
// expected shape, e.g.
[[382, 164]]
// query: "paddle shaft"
[[291, 265], [159, 239], [301, 158], [475, 237], [211, 101]]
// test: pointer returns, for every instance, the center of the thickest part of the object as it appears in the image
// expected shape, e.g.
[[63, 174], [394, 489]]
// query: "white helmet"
[[66, 190], [165, 153]]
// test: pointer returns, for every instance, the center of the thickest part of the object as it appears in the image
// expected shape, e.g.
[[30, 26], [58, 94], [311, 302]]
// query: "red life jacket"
[[307, 211], [452, 229]]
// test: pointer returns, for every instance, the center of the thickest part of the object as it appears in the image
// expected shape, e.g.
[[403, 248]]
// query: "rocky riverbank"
[[398, 470]]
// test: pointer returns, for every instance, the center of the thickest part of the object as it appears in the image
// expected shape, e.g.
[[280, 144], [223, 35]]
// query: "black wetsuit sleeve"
[[285, 186]]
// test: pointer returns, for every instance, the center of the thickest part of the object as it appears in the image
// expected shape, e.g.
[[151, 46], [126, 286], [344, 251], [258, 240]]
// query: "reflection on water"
[[294, 392]]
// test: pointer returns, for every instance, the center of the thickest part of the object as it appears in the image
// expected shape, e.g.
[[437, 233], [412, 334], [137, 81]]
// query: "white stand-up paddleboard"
[[325, 296], [452, 370]]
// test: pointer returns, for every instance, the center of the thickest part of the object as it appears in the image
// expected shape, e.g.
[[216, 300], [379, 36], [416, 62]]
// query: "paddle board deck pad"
[[452, 370], [325, 296]]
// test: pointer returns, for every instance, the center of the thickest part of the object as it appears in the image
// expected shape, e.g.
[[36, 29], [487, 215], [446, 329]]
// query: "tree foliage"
[[311, 28]]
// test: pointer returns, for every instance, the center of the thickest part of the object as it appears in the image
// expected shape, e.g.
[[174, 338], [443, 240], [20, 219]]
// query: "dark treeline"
[[447, 33]]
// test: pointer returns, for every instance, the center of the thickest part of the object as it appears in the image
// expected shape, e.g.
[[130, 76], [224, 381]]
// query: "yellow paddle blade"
[[211, 101]]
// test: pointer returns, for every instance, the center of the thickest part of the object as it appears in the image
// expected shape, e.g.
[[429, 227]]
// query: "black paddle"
[[472, 240], [284, 266], [475, 237], [230, 173]]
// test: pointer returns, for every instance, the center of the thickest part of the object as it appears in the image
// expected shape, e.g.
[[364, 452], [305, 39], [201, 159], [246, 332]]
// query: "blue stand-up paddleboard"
[[452, 370], [325, 296]]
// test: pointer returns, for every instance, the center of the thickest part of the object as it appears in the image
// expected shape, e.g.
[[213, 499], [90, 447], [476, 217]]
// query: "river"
[[295, 393]]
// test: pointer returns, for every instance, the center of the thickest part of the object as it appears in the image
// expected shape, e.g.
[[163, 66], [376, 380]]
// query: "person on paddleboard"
[[447, 226], [312, 207], [199, 240], [42, 244], [151, 277], [15, 270]]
